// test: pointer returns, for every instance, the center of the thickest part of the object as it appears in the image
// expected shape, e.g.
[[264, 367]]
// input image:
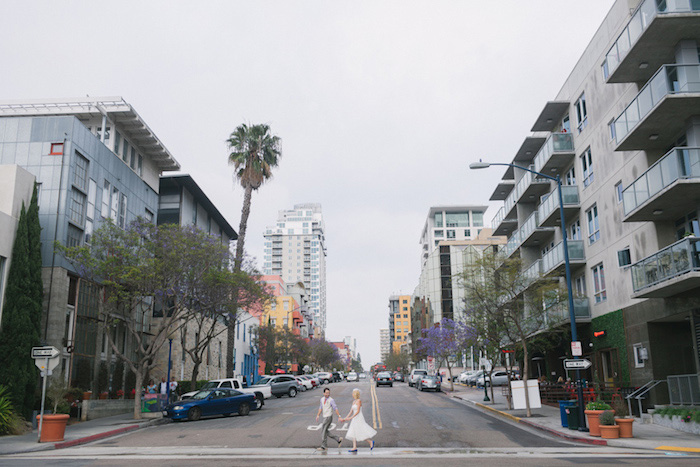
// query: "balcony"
[[531, 187], [667, 190], [549, 209], [671, 271], [556, 153], [531, 275], [582, 310], [649, 39], [553, 260], [658, 114], [502, 226], [513, 243], [531, 234]]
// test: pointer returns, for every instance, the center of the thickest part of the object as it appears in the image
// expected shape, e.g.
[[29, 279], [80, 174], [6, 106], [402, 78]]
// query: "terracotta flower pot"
[[104, 395], [609, 431], [87, 395], [592, 416], [625, 425], [53, 427]]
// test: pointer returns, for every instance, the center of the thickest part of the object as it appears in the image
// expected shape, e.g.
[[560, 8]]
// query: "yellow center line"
[[376, 414]]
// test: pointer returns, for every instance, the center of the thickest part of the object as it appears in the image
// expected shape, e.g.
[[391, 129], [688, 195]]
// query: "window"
[[107, 188], [618, 191], [438, 219], [125, 150], [139, 169], [56, 149], [121, 222], [457, 219], [624, 258], [467, 233], [285, 305], [439, 233], [76, 210], [73, 236], [640, 355], [580, 286], [117, 142], [114, 204], [581, 113], [194, 214], [450, 234], [599, 283], [566, 125], [593, 227], [587, 166], [92, 199], [132, 159], [575, 230], [604, 69], [611, 130], [570, 177], [477, 219], [80, 172]]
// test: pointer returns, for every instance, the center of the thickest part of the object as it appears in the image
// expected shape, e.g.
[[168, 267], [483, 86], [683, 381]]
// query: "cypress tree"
[[36, 286], [18, 333]]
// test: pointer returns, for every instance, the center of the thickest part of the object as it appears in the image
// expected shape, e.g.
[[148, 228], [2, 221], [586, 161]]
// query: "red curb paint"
[[87, 439], [597, 442]]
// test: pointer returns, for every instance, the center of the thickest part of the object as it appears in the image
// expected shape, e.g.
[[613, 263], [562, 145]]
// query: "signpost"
[[46, 358], [576, 349], [578, 364]]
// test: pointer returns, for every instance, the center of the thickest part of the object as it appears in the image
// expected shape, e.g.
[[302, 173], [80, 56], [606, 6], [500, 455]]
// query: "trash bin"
[[572, 417], [562, 411]]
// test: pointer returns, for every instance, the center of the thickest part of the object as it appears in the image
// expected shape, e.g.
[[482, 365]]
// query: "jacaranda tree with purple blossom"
[[149, 281], [444, 341]]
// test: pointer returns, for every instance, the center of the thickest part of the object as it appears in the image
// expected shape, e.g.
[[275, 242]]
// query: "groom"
[[326, 408]]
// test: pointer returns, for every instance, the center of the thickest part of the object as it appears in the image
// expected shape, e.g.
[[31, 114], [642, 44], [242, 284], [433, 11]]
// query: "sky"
[[380, 105]]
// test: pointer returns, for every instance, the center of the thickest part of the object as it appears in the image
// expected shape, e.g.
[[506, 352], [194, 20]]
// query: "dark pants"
[[326, 433]]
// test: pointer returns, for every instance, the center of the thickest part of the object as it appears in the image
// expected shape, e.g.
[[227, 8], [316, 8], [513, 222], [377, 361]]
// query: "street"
[[413, 427]]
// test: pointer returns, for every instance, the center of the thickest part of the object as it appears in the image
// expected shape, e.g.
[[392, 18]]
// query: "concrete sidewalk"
[[547, 419], [77, 433]]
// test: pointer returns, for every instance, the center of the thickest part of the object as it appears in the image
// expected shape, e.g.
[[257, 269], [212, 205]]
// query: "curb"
[[107, 434], [551, 431]]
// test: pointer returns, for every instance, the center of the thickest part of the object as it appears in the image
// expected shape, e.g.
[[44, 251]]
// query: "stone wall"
[[100, 408]]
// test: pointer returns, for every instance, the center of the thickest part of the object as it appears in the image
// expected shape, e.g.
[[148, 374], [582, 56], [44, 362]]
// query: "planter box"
[[677, 423], [93, 409]]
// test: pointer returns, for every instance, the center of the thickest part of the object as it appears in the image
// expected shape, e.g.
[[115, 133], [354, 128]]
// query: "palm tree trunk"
[[238, 262]]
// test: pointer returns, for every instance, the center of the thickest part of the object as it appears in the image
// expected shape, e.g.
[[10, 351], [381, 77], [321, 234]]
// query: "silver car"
[[429, 382]]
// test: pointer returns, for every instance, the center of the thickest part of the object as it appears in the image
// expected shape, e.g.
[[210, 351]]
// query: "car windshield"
[[210, 385], [264, 380], [421, 372], [201, 395], [384, 375]]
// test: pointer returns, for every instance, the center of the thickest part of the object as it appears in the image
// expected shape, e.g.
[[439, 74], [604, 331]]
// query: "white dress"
[[359, 430]]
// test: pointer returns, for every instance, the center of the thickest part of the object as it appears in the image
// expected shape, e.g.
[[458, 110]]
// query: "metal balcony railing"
[[670, 79], [678, 163], [570, 196], [556, 143], [641, 19], [672, 261], [684, 389], [555, 256]]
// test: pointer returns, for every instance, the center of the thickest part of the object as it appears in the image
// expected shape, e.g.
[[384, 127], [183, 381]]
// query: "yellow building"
[[399, 320]]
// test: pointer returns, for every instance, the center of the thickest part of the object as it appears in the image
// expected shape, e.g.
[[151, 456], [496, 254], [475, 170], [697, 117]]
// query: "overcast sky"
[[380, 106]]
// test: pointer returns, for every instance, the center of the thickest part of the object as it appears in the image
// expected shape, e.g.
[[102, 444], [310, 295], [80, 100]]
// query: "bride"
[[359, 430]]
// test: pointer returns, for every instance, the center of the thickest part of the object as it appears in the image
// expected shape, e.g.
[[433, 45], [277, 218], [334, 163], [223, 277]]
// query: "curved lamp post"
[[567, 267]]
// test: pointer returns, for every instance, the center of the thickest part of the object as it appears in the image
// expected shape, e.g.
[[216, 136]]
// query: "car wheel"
[[421, 389], [292, 392], [244, 409], [194, 414], [326, 381], [258, 402]]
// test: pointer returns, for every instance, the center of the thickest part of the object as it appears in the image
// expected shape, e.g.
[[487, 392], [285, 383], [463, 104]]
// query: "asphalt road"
[[405, 417]]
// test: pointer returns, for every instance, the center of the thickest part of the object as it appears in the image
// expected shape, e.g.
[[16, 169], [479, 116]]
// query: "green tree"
[[397, 361], [254, 153], [323, 354], [21, 314]]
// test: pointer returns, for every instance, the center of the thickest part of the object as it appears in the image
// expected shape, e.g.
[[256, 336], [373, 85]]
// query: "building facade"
[[451, 223], [623, 135], [93, 159], [295, 249], [399, 322], [384, 343]]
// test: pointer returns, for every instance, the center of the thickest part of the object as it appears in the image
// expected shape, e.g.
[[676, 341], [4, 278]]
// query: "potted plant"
[[593, 410], [53, 427], [622, 419], [608, 429]]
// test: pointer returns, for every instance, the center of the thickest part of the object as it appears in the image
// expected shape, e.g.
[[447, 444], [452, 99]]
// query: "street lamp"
[[567, 268]]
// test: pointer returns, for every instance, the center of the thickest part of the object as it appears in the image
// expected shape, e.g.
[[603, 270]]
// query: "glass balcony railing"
[[674, 260], [534, 272], [555, 256], [556, 143], [526, 181], [581, 309], [569, 194], [498, 218], [669, 80], [641, 19], [513, 243], [529, 226], [678, 163]]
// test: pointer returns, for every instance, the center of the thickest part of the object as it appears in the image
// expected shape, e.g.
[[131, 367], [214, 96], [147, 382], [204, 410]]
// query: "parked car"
[[498, 378], [313, 382], [363, 375], [219, 401], [426, 382], [280, 385], [352, 376], [415, 376], [260, 393], [384, 379], [472, 379], [399, 377], [304, 383], [337, 377], [324, 376], [463, 376]]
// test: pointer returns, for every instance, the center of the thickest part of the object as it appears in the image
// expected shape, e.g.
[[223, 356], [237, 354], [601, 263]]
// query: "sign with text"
[[576, 349], [46, 351], [579, 364]]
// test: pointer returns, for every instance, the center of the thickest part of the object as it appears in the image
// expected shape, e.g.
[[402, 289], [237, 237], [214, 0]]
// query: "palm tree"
[[254, 152]]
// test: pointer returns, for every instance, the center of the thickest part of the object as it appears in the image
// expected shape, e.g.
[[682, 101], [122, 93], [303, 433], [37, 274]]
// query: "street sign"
[[44, 352], [580, 364], [576, 350], [47, 363], [431, 364]]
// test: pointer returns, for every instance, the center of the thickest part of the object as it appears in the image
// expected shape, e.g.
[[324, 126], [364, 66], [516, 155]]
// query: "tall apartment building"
[[450, 223], [93, 159], [295, 248], [623, 133], [384, 343], [399, 322], [351, 342]]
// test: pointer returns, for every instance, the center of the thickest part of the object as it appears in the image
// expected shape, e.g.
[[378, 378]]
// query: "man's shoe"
[[321, 449], [340, 440]]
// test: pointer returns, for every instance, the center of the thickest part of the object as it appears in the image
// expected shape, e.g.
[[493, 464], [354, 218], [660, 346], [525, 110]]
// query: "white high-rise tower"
[[295, 248]]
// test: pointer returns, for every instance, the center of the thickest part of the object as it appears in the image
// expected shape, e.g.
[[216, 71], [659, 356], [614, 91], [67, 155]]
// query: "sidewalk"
[[78, 433], [547, 418]]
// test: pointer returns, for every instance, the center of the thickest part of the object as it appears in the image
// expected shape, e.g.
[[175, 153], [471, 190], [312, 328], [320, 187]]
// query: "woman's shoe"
[[372, 445], [352, 450]]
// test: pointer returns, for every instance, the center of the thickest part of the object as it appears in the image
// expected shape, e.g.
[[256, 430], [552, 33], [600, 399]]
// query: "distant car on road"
[[325, 377], [220, 401], [429, 382], [399, 377], [352, 376], [304, 383], [384, 379], [281, 385], [363, 375], [415, 376]]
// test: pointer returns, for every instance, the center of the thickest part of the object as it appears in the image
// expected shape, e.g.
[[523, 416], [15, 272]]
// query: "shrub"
[[102, 378], [598, 405], [10, 422], [607, 418], [620, 407]]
